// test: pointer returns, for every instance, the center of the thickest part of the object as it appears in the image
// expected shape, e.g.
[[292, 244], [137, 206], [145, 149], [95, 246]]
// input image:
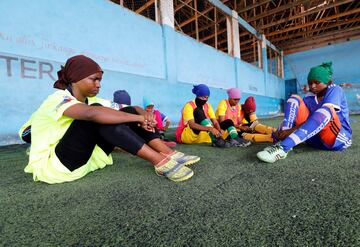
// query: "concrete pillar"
[[264, 61], [166, 15], [157, 12], [169, 39], [259, 48], [232, 26], [282, 64], [278, 65]]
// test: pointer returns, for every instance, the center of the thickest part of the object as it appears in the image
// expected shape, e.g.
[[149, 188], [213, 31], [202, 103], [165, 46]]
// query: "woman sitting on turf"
[[73, 132], [252, 130], [228, 113], [321, 118], [162, 121], [198, 123], [122, 98], [241, 120]]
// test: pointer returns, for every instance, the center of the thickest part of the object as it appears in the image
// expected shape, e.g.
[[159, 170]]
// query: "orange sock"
[[264, 129], [257, 137]]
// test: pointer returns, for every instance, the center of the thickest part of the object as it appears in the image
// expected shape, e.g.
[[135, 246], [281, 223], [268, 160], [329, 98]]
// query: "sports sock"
[[207, 122], [290, 113], [232, 132], [257, 137], [264, 129]]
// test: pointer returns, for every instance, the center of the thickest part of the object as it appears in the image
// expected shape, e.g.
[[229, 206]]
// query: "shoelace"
[[273, 149]]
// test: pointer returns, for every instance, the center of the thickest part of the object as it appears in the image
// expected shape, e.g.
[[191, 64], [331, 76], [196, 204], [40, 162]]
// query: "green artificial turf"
[[312, 198]]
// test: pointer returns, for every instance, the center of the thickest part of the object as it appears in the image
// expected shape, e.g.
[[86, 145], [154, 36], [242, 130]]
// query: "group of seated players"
[[233, 124], [74, 132]]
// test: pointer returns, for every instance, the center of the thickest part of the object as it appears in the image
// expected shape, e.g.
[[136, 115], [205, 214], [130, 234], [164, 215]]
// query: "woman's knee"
[[129, 109], [295, 99], [122, 136], [297, 104], [226, 124], [199, 115]]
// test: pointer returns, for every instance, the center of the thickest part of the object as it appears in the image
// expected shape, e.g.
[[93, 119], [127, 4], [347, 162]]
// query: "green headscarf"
[[322, 73]]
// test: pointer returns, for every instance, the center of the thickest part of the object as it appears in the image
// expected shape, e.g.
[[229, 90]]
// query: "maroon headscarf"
[[250, 104], [76, 69]]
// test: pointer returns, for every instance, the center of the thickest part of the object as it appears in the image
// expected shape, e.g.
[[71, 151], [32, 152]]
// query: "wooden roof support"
[[209, 25], [203, 13], [253, 6], [313, 22], [249, 46], [178, 7], [249, 40], [288, 24], [334, 25], [246, 48], [282, 15], [320, 15], [279, 9], [213, 35], [145, 6], [196, 20], [248, 56], [222, 41], [229, 12], [332, 40], [297, 16], [254, 49], [216, 29], [323, 38]]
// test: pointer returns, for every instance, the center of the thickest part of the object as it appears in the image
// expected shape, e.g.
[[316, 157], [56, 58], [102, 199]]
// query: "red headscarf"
[[76, 69], [250, 104]]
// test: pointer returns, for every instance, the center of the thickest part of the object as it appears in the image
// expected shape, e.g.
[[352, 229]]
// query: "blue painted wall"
[[199, 62], [137, 54], [346, 65]]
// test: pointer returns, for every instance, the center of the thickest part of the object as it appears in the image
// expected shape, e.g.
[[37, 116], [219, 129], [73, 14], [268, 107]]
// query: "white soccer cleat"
[[272, 153]]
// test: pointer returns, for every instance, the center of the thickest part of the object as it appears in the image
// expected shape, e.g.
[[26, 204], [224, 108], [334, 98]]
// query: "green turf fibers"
[[312, 198]]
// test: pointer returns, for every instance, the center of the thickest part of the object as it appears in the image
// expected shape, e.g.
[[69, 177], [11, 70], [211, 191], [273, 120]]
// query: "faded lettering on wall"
[[28, 68]]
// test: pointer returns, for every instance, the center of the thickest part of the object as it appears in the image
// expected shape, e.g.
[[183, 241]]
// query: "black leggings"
[[75, 148], [199, 116], [224, 125]]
